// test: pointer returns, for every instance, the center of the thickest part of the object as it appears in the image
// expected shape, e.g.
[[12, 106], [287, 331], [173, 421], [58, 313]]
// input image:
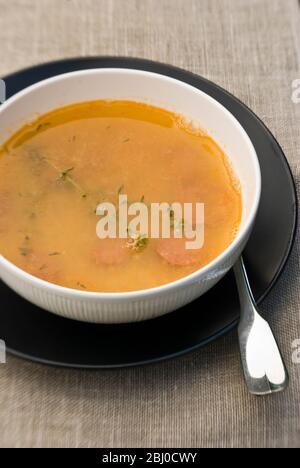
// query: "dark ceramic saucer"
[[37, 335]]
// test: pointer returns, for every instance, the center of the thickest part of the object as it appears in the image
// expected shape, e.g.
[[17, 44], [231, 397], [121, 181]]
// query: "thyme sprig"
[[65, 176]]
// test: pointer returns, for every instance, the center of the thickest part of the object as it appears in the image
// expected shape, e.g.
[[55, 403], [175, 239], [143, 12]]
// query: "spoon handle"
[[264, 369]]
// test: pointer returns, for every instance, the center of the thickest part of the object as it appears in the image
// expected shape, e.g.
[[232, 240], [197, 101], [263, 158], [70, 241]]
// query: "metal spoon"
[[264, 369]]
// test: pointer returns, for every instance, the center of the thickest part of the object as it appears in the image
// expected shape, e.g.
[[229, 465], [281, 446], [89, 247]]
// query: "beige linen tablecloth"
[[252, 48]]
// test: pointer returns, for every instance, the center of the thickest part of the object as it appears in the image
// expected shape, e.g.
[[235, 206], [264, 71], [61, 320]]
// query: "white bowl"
[[164, 92]]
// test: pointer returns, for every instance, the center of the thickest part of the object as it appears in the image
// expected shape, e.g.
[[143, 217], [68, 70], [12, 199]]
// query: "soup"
[[55, 171]]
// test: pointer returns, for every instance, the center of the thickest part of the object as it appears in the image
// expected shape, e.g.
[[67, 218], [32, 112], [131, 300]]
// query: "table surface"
[[251, 48]]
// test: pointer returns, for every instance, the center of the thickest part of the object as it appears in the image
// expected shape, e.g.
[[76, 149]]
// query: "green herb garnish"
[[42, 125], [138, 242], [64, 174], [24, 251], [120, 190], [175, 223]]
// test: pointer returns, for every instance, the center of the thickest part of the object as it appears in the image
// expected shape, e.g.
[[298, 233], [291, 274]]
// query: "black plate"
[[34, 334]]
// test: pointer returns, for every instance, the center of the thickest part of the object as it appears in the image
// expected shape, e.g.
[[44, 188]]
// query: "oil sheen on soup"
[[55, 171]]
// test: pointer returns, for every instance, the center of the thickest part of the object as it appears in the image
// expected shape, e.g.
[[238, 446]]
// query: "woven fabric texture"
[[252, 48]]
